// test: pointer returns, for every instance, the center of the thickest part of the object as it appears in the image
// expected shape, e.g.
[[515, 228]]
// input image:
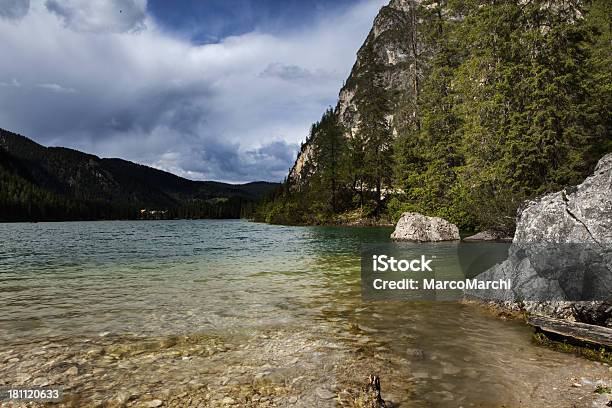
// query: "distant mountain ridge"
[[30, 171]]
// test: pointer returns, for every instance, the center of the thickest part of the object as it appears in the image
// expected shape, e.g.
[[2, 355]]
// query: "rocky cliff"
[[394, 48], [447, 113]]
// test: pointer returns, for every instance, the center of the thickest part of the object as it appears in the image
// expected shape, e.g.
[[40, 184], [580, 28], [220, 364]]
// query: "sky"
[[209, 90]]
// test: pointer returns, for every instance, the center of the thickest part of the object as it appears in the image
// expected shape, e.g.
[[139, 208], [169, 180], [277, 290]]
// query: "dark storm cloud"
[[273, 158], [75, 115], [14, 9], [183, 109], [118, 85], [268, 162], [276, 153]]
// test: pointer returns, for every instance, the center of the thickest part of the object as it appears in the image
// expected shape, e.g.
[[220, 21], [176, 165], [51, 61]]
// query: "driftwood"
[[367, 396], [581, 332], [373, 388]]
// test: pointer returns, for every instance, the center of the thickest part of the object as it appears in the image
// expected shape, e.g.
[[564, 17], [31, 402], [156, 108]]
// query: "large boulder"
[[581, 214], [420, 228], [562, 250]]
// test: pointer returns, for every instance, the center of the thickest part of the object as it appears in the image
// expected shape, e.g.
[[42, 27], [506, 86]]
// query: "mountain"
[[40, 183], [393, 49], [459, 109]]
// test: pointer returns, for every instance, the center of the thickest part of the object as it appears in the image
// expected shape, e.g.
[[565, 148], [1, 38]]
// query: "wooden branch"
[[587, 333]]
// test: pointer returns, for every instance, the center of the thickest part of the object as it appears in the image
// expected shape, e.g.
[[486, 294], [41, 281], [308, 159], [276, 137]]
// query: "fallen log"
[[581, 332]]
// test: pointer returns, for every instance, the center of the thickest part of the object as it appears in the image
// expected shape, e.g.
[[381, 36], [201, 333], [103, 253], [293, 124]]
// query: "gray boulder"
[[420, 228], [581, 214], [562, 249], [488, 236]]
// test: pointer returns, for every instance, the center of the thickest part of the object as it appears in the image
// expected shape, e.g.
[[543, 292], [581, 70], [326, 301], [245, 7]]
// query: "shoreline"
[[593, 352], [273, 367], [301, 335]]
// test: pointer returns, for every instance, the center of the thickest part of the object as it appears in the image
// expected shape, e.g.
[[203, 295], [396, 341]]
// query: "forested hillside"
[[40, 183], [460, 109]]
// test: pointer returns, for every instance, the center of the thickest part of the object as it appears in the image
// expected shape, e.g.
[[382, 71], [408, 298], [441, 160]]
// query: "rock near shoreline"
[[560, 261], [420, 228], [489, 236], [580, 214]]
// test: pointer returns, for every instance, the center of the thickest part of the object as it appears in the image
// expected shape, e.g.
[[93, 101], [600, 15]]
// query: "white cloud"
[[100, 16], [14, 83], [205, 111], [56, 88]]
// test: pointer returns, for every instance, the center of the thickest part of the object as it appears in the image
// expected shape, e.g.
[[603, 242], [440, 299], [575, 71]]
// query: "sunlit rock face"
[[394, 48], [562, 250], [582, 214]]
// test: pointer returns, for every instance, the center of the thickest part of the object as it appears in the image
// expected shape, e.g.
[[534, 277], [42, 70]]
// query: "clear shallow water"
[[290, 293], [166, 277]]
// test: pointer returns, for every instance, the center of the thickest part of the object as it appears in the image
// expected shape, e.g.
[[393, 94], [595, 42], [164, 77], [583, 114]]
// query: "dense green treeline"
[[22, 200], [39, 183], [510, 100], [215, 208]]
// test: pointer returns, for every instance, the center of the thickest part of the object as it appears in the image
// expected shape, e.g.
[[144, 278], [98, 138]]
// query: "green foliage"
[[504, 101], [22, 200], [330, 153], [527, 107], [374, 133], [327, 189], [591, 352], [343, 174], [54, 184]]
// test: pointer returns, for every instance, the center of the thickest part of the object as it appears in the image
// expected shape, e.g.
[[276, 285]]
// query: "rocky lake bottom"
[[232, 313]]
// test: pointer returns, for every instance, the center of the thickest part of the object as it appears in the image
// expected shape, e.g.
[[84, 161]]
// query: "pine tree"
[[374, 130], [330, 156]]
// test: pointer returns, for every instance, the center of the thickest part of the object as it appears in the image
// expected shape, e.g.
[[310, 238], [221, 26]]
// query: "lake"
[[235, 312]]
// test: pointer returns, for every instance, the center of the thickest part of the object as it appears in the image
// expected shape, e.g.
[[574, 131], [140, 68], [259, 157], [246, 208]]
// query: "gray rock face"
[[420, 228], [582, 214], [396, 47], [562, 248], [488, 236]]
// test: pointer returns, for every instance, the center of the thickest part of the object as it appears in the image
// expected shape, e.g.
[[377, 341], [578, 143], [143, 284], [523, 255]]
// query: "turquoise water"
[[292, 294], [163, 277]]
